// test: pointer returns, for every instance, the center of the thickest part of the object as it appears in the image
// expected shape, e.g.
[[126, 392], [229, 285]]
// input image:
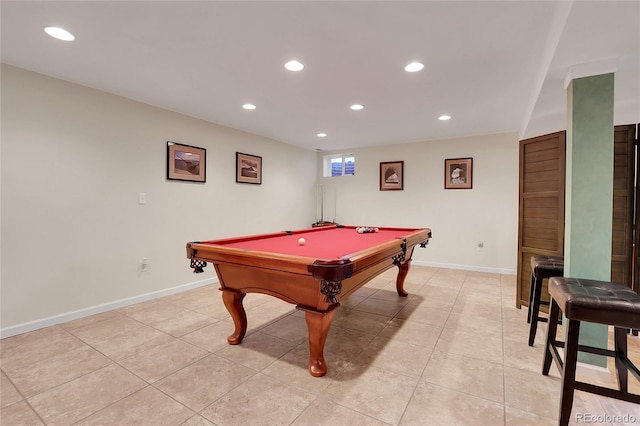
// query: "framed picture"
[[248, 168], [458, 173], [185, 162], [392, 176]]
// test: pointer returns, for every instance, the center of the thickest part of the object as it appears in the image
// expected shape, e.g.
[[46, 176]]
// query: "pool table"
[[315, 275]]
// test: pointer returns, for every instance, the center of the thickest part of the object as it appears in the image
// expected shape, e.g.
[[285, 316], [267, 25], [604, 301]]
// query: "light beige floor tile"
[[346, 343], [515, 417], [426, 315], [126, 345], [518, 354], [468, 375], [261, 400], [43, 375], [157, 312], [473, 324], [148, 406], [436, 297], [184, 323], [317, 414], [107, 329], [435, 405], [79, 398], [471, 345], [377, 393], [291, 328], [215, 310], [212, 337], [479, 310], [201, 383], [8, 392], [446, 282], [257, 350], [127, 310], [92, 319], [365, 291], [392, 355], [350, 302], [159, 361], [360, 321], [416, 333], [293, 369], [390, 292], [381, 307], [9, 343], [621, 412], [19, 414], [532, 392], [38, 349], [197, 420]]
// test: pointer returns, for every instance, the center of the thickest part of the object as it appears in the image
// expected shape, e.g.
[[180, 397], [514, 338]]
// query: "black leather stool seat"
[[598, 302], [542, 267], [547, 266]]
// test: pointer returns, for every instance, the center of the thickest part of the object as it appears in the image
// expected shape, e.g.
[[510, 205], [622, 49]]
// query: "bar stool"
[[596, 302], [541, 267]]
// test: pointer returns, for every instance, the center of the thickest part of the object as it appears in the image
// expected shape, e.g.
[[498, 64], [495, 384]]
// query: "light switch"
[[142, 198]]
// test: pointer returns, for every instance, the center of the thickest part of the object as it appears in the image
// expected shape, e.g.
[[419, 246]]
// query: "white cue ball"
[[301, 241]]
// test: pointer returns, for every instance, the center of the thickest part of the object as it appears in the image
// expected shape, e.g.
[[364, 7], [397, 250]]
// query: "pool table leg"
[[233, 301], [318, 324], [402, 274]]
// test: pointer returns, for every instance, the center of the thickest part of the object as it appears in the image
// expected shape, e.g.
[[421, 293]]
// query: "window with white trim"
[[339, 165]]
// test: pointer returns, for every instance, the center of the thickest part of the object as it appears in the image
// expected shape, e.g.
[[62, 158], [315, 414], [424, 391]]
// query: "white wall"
[[458, 218], [73, 162]]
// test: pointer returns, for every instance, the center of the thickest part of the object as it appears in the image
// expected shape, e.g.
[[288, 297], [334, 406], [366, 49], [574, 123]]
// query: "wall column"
[[589, 191]]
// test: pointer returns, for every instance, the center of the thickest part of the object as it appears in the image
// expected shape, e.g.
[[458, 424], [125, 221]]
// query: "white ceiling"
[[493, 66]]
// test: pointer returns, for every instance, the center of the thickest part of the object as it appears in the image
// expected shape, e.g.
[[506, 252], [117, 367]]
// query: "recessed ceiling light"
[[414, 67], [59, 33], [356, 107], [444, 117], [322, 135], [249, 106], [294, 66]]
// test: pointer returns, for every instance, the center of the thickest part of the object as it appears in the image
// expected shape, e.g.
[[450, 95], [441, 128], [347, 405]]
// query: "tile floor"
[[453, 353]]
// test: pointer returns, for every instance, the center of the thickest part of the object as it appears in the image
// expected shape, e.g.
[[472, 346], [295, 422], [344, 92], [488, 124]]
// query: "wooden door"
[[623, 204], [636, 254], [541, 209]]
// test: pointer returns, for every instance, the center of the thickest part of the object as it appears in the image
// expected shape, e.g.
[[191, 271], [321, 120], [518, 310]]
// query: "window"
[[339, 165]]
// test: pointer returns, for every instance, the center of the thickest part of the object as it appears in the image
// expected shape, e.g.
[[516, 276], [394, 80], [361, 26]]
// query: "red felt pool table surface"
[[322, 243]]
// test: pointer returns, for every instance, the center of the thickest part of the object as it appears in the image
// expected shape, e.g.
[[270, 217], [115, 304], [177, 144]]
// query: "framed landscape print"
[[185, 162], [458, 173], [248, 168], [392, 176]]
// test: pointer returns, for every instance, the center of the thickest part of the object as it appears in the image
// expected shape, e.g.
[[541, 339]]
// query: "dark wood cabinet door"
[[541, 209], [623, 204]]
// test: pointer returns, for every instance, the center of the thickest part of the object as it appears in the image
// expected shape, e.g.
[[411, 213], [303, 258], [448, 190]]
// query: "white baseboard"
[[69, 316], [465, 267], [81, 313]]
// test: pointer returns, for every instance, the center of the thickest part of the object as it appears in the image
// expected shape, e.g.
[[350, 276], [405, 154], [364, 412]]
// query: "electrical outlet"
[[144, 265], [480, 245]]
